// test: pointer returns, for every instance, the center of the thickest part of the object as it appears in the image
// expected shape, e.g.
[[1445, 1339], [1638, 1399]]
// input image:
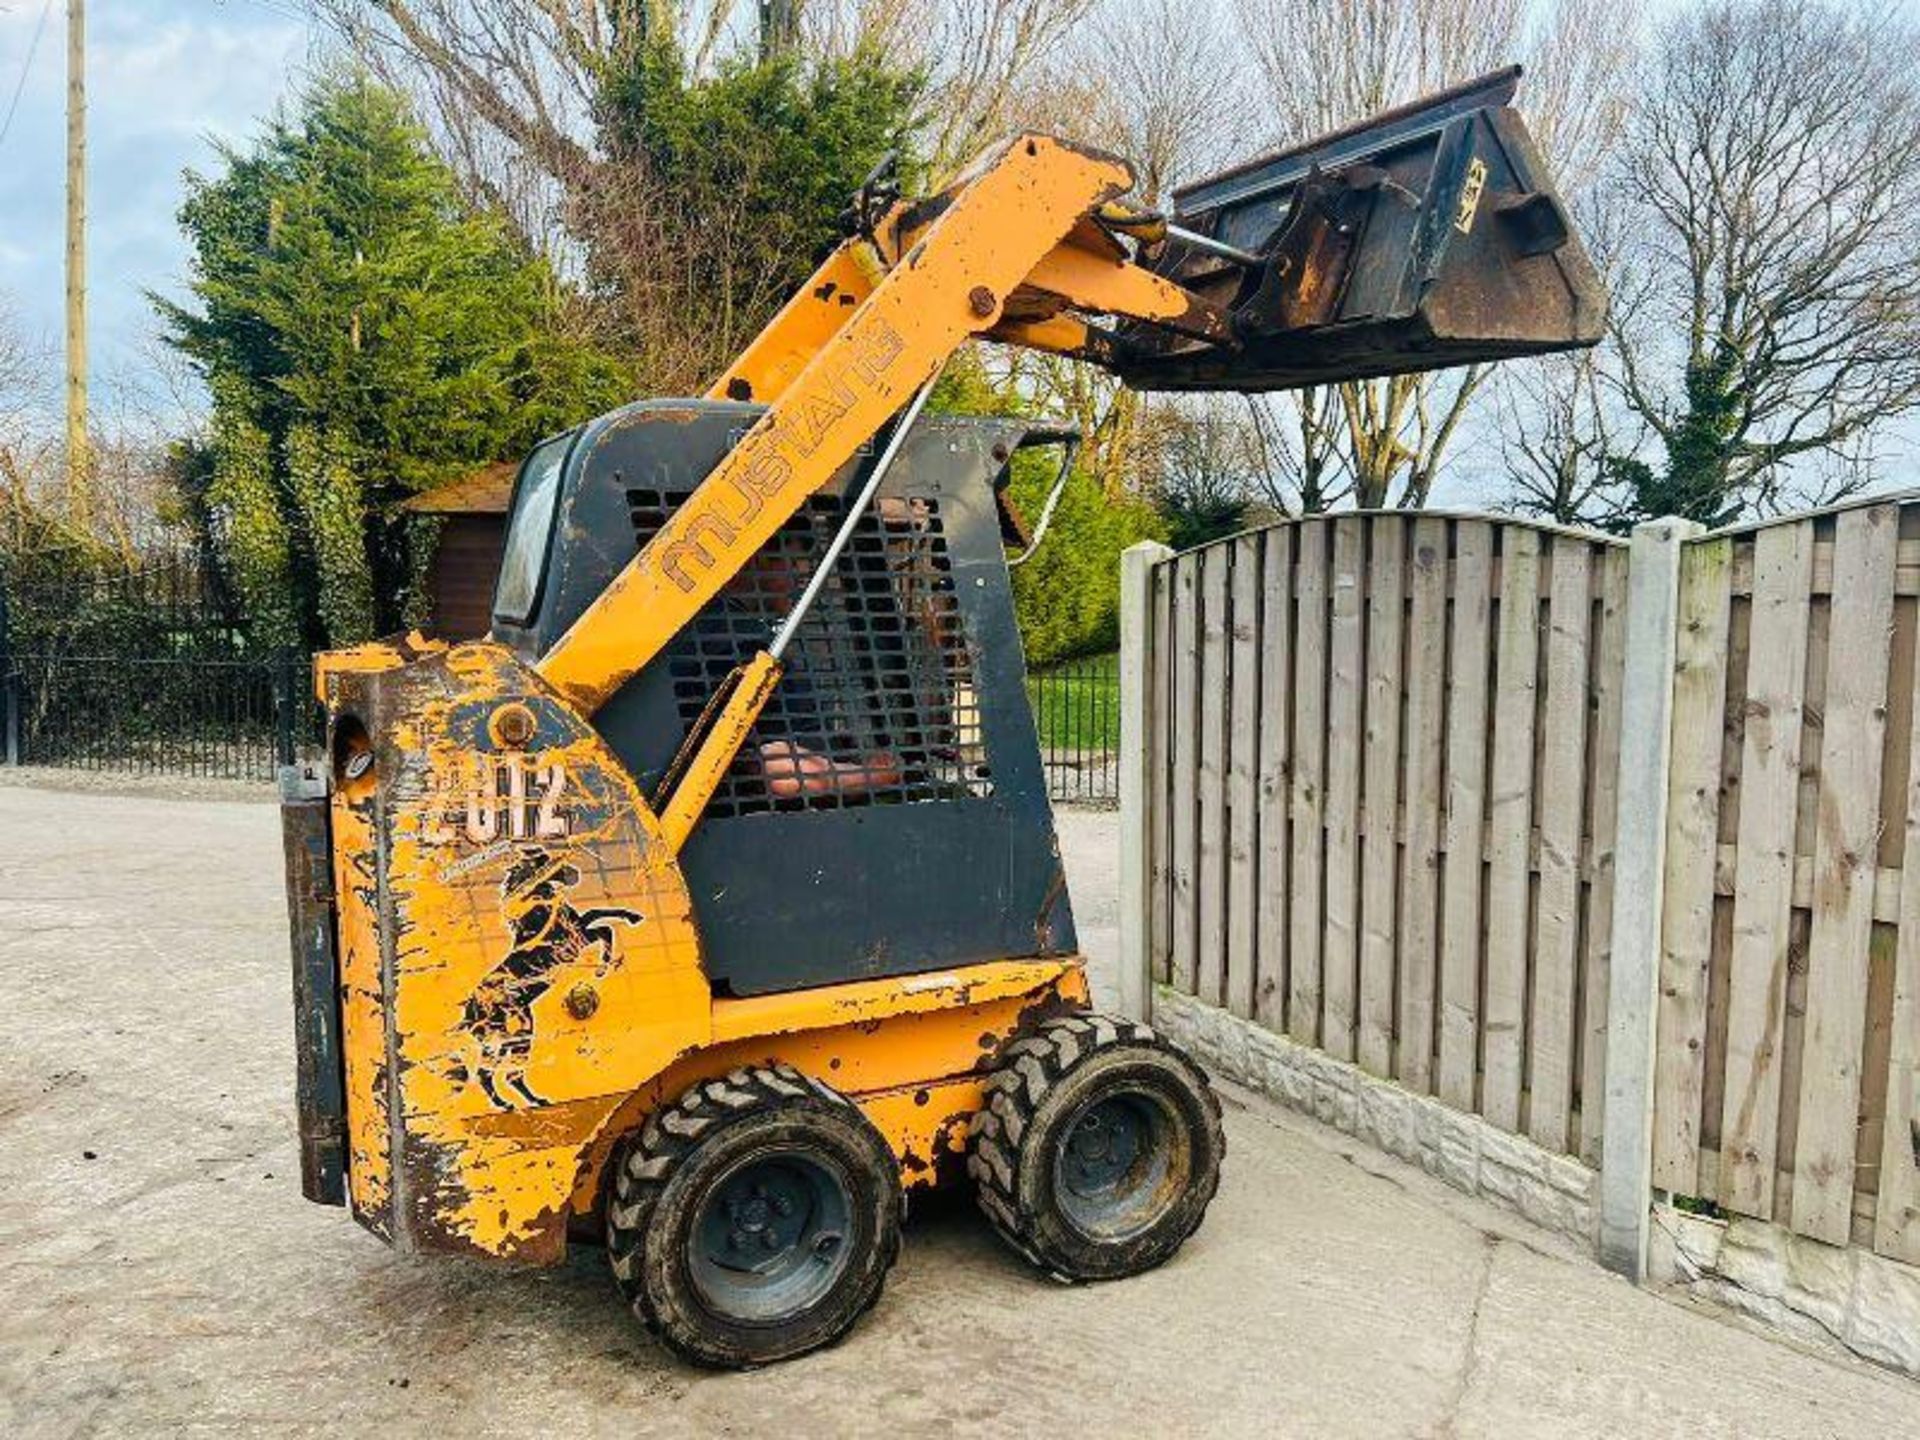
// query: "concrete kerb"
[[1842, 1298], [1845, 1300], [1555, 1192]]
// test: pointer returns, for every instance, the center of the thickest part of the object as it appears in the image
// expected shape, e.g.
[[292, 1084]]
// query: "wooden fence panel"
[[1693, 810], [1419, 925], [1464, 821], [1846, 847], [1382, 818], [1380, 803]]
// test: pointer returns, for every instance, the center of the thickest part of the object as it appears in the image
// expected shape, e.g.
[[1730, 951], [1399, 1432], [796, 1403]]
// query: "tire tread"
[[1029, 1070], [648, 1160]]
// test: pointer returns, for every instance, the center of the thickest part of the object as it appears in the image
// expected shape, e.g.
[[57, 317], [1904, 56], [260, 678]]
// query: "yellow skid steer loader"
[[711, 904]]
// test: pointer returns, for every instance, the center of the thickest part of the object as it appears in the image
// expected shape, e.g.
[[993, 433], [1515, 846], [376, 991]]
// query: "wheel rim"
[[1122, 1160], [773, 1236]]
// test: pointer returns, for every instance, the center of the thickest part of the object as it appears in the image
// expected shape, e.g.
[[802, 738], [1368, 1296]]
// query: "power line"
[[33, 47], [285, 9]]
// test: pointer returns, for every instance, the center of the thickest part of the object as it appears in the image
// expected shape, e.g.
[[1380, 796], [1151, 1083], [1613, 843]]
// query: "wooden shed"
[[467, 561]]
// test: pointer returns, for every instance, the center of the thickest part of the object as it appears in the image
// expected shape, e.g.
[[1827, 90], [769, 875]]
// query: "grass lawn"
[[1076, 703]]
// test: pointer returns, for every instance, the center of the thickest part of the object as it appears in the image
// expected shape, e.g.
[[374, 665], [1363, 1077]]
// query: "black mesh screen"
[[877, 703]]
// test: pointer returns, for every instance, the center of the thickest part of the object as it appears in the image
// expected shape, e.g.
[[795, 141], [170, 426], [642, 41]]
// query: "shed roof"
[[487, 491]]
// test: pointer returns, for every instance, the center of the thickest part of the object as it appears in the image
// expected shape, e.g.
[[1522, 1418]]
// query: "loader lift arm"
[[832, 373], [1350, 272]]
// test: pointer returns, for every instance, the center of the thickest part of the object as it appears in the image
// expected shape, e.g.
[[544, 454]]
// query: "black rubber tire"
[[1048, 1082], [664, 1176]]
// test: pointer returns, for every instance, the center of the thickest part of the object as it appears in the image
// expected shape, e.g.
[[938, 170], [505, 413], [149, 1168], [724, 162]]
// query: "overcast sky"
[[163, 77]]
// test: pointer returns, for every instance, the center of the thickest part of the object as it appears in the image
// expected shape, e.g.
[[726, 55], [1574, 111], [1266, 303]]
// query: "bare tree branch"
[[1769, 309]]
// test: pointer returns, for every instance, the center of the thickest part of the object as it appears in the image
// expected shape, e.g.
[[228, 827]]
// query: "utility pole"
[[79, 457]]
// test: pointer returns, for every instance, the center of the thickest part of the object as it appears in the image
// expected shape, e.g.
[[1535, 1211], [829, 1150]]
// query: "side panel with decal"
[[543, 963]]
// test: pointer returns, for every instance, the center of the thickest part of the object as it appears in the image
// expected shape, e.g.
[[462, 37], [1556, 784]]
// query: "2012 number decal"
[[503, 797]]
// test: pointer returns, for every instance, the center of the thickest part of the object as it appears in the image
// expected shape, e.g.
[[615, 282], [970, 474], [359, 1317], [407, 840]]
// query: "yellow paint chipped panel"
[[869, 1039], [925, 1125], [542, 961], [362, 1007], [369, 659], [862, 1000]]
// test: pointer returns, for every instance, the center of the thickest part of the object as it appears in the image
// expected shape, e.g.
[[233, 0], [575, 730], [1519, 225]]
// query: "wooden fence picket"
[[1426, 650], [1844, 867], [1693, 810], [1897, 1212], [1159, 773], [1556, 938], [1763, 881], [1275, 639], [1346, 659], [1211, 907], [1380, 802], [1182, 793], [1305, 821], [1602, 806], [1510, 830], [1463, 822], [1243, 747]]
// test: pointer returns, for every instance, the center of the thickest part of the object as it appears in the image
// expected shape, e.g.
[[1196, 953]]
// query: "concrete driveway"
[[161, 1272]]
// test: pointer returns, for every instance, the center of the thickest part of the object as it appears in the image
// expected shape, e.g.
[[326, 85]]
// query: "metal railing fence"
[[1076, 710], [178, 715]]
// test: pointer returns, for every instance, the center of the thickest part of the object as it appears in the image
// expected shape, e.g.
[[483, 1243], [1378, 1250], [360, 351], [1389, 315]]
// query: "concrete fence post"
[[1137, 743], [1639, 867]]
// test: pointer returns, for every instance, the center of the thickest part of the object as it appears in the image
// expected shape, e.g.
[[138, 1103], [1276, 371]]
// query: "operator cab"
[[888, 815]]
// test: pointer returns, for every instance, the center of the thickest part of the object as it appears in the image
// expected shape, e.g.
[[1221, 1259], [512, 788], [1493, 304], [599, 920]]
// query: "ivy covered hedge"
[[365, 334]]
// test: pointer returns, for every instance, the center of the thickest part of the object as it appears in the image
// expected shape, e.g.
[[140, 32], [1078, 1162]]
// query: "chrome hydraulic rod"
[[817, 581], [1194, 240]]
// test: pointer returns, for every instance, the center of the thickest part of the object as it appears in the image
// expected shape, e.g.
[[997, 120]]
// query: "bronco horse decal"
[[548, 932]]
